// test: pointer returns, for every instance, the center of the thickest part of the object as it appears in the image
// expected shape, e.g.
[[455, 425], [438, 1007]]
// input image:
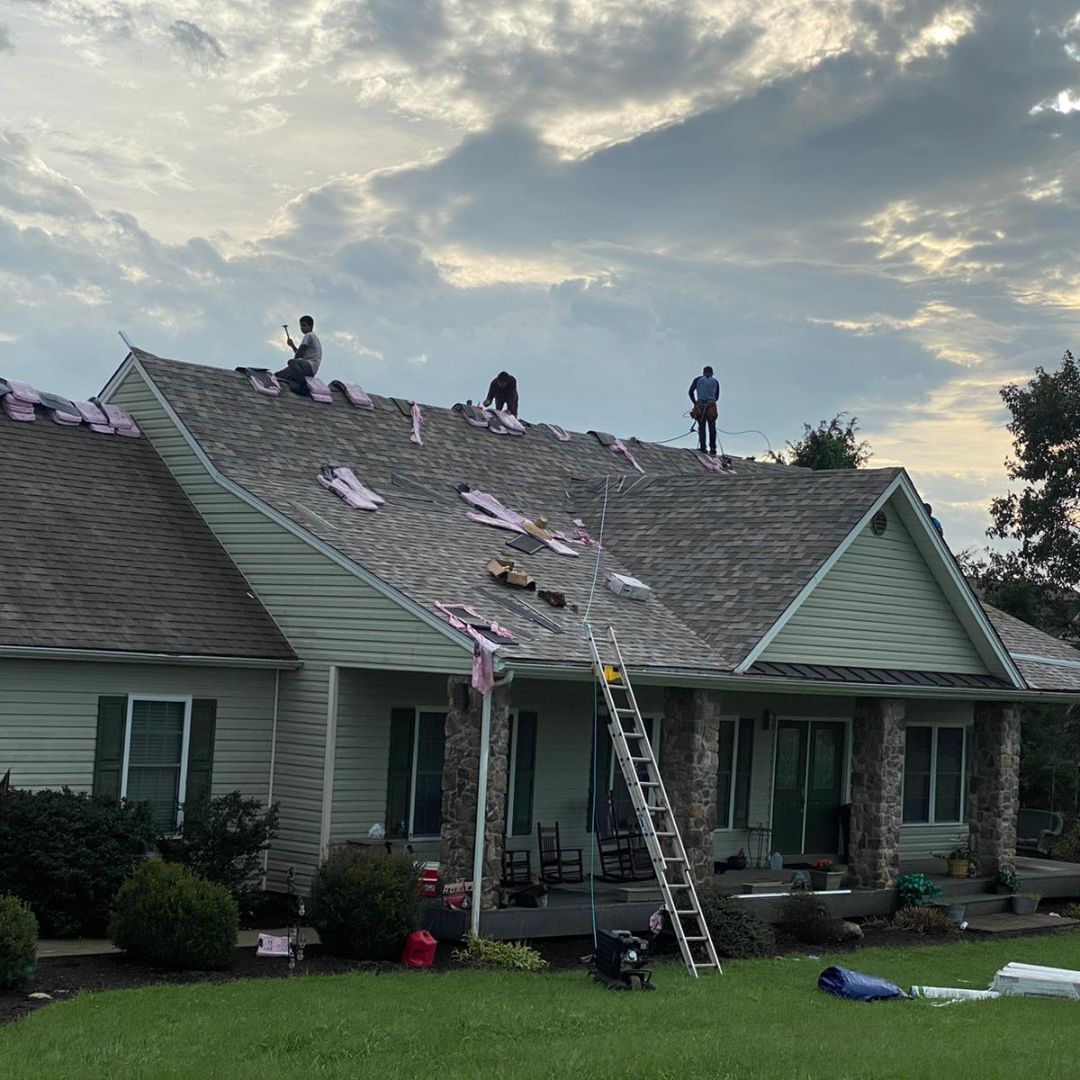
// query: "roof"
[[1046, 662], [774, 526], [101, 550]]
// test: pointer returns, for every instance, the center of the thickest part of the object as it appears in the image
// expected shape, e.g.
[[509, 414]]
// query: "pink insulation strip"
[[495, 523], [504, 423], [619, 447], [319, 391], [557, 431], [500, 517], [344, 483], [93, 415], [712, 464], [263, 381], [484, 649], [17, 410], [417, 420], [121, 421], [355, 395]]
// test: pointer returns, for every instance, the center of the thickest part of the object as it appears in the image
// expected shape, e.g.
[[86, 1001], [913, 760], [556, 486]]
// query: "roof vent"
[[879, 523]]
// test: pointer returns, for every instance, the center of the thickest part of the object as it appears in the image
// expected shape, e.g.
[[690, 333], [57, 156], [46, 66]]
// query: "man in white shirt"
[[306, 356]]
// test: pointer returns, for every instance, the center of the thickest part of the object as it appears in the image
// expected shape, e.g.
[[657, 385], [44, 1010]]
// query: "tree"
[[1044, 516], [833, 444]]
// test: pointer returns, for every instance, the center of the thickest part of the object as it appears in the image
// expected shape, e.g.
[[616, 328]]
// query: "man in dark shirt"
[[705, 393], [503, 392]]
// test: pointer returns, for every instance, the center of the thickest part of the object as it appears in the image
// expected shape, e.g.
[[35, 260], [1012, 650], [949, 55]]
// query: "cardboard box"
[[630, 587], [504, 571]]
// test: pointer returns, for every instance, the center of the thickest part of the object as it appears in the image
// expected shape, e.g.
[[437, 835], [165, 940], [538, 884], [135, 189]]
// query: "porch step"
[[978, 904]]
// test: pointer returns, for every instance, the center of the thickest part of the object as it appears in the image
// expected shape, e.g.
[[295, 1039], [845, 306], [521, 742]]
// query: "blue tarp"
[[856, 986]]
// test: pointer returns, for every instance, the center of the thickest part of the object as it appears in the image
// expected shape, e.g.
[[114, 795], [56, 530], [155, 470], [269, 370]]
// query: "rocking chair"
[[557, 864]]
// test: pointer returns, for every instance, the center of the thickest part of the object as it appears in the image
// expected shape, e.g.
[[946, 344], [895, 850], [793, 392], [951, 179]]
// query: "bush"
[[915, 889], [924, 920], [364, 905], [66, 855], [807, 919], [504, 955], [166, 915], [737, 933], [224, 841], [1067, 846], [18, 942]]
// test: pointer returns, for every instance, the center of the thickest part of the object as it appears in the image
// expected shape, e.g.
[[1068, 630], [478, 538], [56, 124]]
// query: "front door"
[[809, 786]]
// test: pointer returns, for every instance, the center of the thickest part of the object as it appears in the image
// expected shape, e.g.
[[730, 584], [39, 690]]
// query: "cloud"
[[202, 49]]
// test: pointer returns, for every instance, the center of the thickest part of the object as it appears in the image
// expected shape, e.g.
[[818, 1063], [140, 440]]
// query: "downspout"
[[273, 765], [329, 759], [480, 837]]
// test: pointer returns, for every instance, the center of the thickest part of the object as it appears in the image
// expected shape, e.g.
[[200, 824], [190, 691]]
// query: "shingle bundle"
[[19, 401], [344, 483], [354, 394]]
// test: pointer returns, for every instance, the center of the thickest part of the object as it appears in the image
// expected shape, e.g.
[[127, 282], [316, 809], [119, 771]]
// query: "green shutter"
[[600, 765], [399, 771], [200, 769], [109, 749], [524, 774], [744, 764]]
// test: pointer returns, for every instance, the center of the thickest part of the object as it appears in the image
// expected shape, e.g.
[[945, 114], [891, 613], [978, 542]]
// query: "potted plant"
[[957, 861], [1025, 903], [917, 890], [1006, 880], [826, 874]]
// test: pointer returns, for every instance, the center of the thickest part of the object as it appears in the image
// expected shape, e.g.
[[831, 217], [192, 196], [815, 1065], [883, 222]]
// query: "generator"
[[620, 961]]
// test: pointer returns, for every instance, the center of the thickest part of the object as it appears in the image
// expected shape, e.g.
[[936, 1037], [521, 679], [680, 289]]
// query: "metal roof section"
[[879, 676]]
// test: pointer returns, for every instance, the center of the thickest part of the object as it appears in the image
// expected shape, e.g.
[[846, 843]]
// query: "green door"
[[825, 787], [789, 792], [809, 786]]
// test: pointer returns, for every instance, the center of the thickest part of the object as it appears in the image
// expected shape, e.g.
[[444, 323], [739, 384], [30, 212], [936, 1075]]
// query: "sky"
[[858, 205]]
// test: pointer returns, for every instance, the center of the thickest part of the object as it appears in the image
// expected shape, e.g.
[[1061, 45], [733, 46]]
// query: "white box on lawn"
[[630, 587]]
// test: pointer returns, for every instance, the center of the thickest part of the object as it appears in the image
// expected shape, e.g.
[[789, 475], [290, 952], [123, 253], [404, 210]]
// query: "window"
[[415, 774], [522, 774], [934, 767], [155, 757], [736, 755]]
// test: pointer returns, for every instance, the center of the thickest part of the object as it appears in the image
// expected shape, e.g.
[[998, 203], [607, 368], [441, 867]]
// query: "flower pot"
[[954, 911], [1025, 905], [826, 879], [958, 867]]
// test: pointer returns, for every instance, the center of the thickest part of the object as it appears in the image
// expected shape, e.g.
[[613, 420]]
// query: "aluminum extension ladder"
[[658, 826]]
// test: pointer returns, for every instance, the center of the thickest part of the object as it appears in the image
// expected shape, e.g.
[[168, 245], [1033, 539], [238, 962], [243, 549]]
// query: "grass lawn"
[[762, 1018]]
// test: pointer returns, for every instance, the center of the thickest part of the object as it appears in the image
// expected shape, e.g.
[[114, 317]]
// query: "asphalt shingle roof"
[[1025, 640], [100, 549]]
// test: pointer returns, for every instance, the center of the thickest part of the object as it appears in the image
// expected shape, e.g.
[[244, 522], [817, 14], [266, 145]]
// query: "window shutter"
[[600, 765], [399, 771], [200, 766], [524, 774], [744, 767], [109, 748]]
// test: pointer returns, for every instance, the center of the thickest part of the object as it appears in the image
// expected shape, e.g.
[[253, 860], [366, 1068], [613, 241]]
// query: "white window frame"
[[184, 747], [931, 809], [444, 712]]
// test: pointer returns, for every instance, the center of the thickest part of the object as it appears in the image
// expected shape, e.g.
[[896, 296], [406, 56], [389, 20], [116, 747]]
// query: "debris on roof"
[[553, 598], [473, 414], [19, 401], [262, 380], [318, 390], [714, 464], [604, 438], [485, 636], [417, 420], [526, 544], [619, 447], [503, 570], [526, 611], [354, 394], [344, 483], [502, 422], [630, 587], [557, 433], [500, 517]]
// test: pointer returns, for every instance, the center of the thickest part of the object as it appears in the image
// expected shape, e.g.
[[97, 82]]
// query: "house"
[[808, 642]]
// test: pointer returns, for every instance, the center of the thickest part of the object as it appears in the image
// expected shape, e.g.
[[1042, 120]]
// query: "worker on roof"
[[306, 356], [705, 393], [933, 520], [503, 392]]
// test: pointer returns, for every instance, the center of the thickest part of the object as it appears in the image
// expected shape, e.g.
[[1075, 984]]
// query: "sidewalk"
[[53, 947]]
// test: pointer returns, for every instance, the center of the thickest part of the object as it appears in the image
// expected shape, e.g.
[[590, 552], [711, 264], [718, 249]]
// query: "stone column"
[[461, 779], [994, 785], [689, 751], [877, 776]]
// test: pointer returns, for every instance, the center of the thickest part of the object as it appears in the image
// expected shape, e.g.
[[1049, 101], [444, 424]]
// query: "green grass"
[[762, 1018]]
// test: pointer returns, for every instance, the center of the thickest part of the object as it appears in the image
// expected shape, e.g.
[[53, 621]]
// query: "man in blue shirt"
[[705, 393]]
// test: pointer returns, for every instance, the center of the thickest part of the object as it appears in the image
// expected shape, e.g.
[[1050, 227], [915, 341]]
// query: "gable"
[[879, 606]]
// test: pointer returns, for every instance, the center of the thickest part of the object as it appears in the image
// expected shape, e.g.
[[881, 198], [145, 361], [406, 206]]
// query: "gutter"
[[108, 656]]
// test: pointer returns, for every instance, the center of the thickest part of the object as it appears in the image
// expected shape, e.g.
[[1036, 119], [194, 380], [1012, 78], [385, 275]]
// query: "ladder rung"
[[676, 885], [696, 937], [640, 760], [692, 911], [664, 833], [707, 964]]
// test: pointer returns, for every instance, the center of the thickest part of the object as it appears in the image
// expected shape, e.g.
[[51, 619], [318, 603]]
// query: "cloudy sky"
[[867, 205]]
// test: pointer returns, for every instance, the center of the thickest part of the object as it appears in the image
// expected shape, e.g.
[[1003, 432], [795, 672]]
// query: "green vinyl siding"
[[51, 718], [879, 606], [329, 615]]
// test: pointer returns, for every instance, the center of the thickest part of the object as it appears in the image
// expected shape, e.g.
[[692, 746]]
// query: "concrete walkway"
[[51, 947]]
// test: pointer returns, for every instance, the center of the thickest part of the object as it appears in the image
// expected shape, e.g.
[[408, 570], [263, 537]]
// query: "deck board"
[[1005, 922]]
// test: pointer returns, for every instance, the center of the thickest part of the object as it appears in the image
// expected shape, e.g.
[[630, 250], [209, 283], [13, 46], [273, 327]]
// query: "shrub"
[[505, 955], [924, 920], [737, 933], [224, 841], [1067, 846], [915, 889], [166, 915], [18, 942], [807, 919], [1071, 911], [66, 854], [364, 905]]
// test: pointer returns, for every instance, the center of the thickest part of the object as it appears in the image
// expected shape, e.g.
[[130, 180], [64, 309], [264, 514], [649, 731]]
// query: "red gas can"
[[419, 950]]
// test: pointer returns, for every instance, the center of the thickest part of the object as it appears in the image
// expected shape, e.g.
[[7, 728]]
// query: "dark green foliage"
[[807, 919], [224, 842], [737, 933], [67, 854], [1067, 846], [833, 444], [364, 905], [18, 942], [166, 915], [914, 889]]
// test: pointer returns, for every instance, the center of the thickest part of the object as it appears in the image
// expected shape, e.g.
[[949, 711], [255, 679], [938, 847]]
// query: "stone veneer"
[[877, 776], [461, 778], [994, 784], [689, 751]]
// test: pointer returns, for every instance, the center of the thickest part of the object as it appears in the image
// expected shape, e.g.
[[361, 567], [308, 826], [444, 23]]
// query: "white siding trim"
[[1049, 661], [813, 583], [184, 746], [287, 523], [28, 652]]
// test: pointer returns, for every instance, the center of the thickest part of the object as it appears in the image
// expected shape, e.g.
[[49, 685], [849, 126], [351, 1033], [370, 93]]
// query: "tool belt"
[[704, 410]]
